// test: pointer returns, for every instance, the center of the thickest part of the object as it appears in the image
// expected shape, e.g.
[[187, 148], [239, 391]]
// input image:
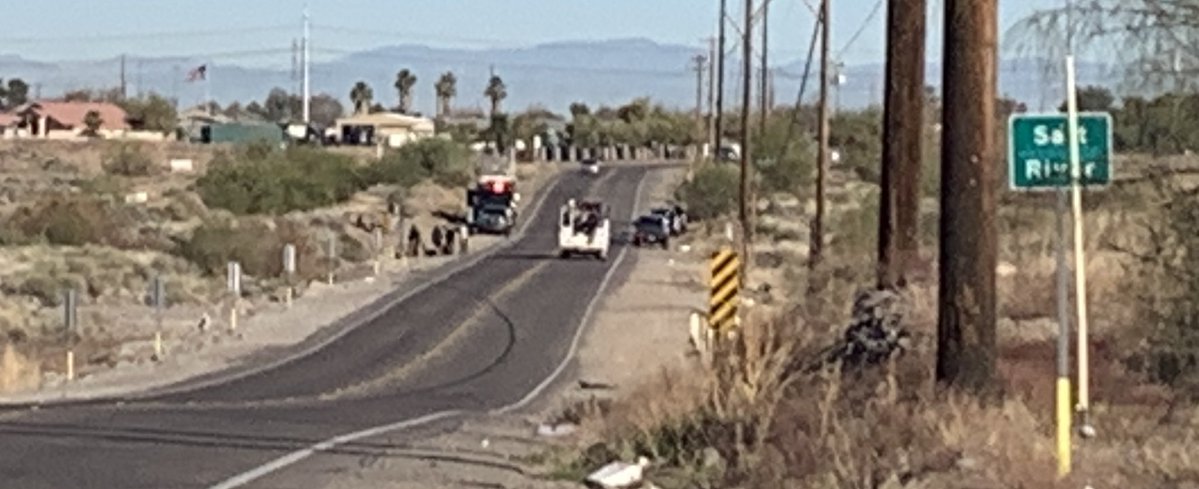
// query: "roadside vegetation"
[[762, 414]]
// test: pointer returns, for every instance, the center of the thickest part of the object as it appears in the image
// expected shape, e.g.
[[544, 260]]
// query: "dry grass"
[[891, 426]]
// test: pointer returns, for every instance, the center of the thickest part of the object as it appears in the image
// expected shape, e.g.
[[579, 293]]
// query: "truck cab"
[[491, 205]]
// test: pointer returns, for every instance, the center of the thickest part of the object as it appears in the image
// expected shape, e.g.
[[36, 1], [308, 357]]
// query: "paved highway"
[[483, 339]]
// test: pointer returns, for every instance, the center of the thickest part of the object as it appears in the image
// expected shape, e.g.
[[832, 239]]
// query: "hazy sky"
[[261, 31]]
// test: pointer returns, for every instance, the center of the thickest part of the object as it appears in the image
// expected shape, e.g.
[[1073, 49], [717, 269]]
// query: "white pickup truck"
[[583, 229]]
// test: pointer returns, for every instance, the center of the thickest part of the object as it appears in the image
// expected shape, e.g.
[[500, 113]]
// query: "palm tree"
[[447, 89], [496, 92], [361, 95], [405, 80]]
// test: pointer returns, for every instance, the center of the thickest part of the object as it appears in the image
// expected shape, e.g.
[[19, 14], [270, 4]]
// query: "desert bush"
[[128, 160], [254, 181], [1165, 264], [712, 192], [256, 245], [71, 220], [447, 163]]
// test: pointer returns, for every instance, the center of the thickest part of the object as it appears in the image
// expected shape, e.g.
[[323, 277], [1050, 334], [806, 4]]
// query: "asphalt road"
[[482, 339]]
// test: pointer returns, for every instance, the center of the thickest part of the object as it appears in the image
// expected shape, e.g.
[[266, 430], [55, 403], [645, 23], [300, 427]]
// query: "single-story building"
[[9, 125], [65, 120], [386, 128]]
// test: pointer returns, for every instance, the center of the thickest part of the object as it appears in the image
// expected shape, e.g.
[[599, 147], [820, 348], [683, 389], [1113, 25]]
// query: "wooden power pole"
[[720, 76], [699, 61], [711, 120], [903, 128], [816, 249], [746, 195], [969, 169], [764, 87]]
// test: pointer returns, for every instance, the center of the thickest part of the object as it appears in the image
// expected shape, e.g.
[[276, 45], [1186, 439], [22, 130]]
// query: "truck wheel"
[[666, 244], [564, 254], [602, 255]]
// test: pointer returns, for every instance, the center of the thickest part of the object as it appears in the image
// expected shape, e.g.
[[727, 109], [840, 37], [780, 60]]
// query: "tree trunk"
[[969, 167]]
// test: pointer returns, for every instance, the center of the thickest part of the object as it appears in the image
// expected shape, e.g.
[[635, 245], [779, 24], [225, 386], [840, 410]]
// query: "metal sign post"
[[332, 257], [70, 324], [234, 282], [158, 300], [378, 250], [1063, 153], [289, 269]]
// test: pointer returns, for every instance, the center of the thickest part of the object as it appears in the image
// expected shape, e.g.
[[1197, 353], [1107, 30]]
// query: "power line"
[[680, 74], [424, 36], [144, 35], [861, 28]]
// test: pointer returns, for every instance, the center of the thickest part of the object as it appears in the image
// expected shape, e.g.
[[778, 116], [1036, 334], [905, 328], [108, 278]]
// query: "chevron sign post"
[[724, 290]]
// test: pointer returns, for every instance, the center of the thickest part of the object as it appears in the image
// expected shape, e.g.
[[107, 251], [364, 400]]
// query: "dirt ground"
[[639, 332], [121, 359]]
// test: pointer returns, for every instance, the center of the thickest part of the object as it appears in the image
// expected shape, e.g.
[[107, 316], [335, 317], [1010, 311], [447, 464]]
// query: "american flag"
[[198, 73]]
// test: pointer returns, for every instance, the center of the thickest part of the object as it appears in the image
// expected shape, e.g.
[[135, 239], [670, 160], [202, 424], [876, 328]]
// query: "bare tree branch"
[[1152, 41]]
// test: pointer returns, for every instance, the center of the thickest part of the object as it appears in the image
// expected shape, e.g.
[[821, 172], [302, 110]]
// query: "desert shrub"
[[712, 192], [128, 160], [70, 220], [254, 181], [1166, 265], [257, 246], [446, 163], [47, 289], [784, 158]]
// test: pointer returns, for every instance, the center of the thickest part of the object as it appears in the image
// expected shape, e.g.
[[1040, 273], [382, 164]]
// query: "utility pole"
[[139, 83], [699, 61], [765, 88], [968, 251], [295, 66], [903, 124], [307, 83], [711, 94], [816, 249], [746, 198], [720, 77], [124, 80]]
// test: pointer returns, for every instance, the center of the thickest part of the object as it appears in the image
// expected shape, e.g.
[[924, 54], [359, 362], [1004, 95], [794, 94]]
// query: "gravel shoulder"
[[263, 325], [639, 331]]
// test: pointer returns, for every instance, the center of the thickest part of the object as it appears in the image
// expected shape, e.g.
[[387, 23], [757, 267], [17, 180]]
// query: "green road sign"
[[1039, 159]]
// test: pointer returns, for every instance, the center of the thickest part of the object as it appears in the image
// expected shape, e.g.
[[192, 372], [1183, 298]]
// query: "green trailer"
[[238, 133]]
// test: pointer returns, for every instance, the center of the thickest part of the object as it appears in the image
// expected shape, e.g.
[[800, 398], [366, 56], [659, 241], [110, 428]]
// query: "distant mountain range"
[[551, 75]]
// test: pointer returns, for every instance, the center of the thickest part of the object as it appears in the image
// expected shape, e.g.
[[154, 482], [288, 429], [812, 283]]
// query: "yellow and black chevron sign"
[[725, 289]]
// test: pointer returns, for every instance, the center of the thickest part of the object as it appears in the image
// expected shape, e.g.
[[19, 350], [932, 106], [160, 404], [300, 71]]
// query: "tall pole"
[[765, 68], [746, 196], [711, 93], [307, 88], [700, 67], [968, 251], [816, 248], [720, 76], [124, 83], [1080, 261], [699, 61], [903, 124]]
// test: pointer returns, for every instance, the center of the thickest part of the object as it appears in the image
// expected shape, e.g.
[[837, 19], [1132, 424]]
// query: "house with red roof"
[[65, 120]]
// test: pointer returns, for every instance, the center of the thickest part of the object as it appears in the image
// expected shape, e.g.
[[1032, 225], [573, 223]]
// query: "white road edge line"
[[293, 457], [247, 477]]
